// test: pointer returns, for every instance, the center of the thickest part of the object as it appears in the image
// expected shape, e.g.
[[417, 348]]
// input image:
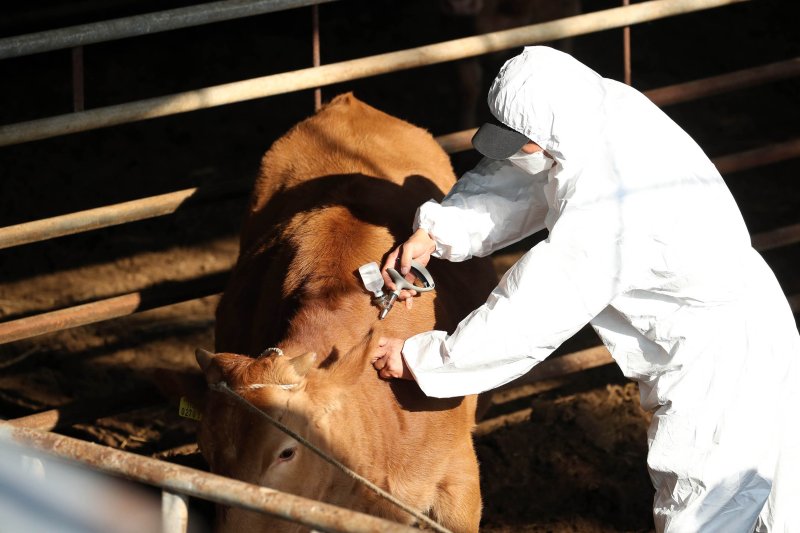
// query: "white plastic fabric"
[[648, 246]]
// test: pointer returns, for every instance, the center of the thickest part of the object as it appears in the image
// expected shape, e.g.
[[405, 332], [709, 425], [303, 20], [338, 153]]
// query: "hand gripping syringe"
[[373, 281]]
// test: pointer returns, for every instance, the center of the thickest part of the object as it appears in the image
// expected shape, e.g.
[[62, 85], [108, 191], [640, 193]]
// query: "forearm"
[[541, 301], [489, 208]]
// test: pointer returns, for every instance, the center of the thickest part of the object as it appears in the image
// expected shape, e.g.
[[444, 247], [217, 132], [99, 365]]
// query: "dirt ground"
[[564, 455]]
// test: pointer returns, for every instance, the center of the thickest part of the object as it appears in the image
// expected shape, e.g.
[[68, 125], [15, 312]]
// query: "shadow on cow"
[[296, 329]]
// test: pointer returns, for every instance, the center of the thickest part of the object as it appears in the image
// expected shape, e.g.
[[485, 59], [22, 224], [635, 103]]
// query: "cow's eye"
[[286, 454]]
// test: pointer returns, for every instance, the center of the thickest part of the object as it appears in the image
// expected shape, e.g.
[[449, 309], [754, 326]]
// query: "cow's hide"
[[340, 189]]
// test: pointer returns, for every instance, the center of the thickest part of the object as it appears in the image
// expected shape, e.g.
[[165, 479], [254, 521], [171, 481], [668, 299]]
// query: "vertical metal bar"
[[315, 52], [174, 512], [77, 79], [626, 48]]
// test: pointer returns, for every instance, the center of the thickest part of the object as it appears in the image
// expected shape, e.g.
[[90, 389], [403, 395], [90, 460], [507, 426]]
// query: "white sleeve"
[[491, 206], [545, 298]]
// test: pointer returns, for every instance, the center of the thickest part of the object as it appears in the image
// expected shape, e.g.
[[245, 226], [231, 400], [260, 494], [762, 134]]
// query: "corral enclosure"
[[565, 454]]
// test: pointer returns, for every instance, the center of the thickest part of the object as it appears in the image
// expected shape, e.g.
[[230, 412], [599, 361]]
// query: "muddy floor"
[[559, 456]]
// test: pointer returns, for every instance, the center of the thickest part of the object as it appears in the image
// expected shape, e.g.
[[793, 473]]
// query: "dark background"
[[577, 462]]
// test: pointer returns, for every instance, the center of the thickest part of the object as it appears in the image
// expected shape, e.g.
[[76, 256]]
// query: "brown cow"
[[338, 191]]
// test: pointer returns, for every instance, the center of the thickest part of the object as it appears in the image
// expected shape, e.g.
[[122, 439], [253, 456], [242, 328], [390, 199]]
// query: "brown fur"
[[339, 190]]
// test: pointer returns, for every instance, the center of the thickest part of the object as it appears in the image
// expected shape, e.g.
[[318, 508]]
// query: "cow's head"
[[240, 444]]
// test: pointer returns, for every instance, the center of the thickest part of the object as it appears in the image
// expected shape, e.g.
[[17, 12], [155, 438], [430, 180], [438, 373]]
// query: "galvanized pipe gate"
[[177, 481]]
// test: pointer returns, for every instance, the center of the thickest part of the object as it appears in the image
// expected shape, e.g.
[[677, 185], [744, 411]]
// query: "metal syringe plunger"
[[373, 281]]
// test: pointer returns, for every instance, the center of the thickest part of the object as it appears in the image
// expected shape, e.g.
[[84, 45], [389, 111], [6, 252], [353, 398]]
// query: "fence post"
[[174, 512]]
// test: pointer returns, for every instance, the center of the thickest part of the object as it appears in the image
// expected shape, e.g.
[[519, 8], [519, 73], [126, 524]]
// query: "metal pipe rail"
[[459, 141], [565, 365], [311, 78], [86, 411], [740, 79], [165, 204], [112, 215], [161, 295], [172, 19], [776, 238], [757, 157], [90, 409], [134, 302], [178, 479]]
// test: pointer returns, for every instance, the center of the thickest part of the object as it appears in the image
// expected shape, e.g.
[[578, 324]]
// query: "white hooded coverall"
[[647, 245]]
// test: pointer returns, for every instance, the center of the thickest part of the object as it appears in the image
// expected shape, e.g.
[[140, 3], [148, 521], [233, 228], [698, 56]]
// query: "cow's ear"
[[211, 371], [303, 363], [204, 358]]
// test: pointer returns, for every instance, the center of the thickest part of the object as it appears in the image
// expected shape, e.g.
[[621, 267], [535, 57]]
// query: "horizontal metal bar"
[[160, 295], [757, 157], [460, 141], [89, 410], [111, 215], [184, 480], [727, 164], [173, 19], [171, 294], [490, 425], [350, 70], [139, 301], [165, 204], [776, 238], [582, 360], [692, 90], [557, 367]]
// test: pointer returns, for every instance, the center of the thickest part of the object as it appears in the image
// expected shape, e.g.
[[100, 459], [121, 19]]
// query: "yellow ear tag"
[[188, 410]]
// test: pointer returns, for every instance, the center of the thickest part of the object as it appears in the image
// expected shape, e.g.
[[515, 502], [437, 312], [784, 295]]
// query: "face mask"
[[531, 163]]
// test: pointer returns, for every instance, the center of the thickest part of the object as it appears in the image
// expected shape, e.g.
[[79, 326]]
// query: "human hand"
[[387, 359], [418, 247]]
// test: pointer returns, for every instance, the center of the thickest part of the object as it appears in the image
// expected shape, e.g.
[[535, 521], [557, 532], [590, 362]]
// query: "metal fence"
[[179, 481]]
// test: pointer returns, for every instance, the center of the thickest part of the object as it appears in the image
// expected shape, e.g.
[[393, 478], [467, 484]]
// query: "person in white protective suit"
[[647, 245]]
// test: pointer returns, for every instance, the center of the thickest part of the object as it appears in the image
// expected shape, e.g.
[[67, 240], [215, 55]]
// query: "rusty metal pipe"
[[727, 164], [561, 366], [757, 157], [165, 204], [184, 480], [130, 303], [173, 19], [118, 306], [626, 50], [332, 73], [459, 141], [111, 215], [740, 79], [89, 409], [776, 238]]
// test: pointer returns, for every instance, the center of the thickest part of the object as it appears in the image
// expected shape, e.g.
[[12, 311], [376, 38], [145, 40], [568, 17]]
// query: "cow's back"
[[338, 190], [349, 137]]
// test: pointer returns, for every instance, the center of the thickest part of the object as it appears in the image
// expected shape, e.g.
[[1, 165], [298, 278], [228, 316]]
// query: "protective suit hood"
[[540, 84]]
